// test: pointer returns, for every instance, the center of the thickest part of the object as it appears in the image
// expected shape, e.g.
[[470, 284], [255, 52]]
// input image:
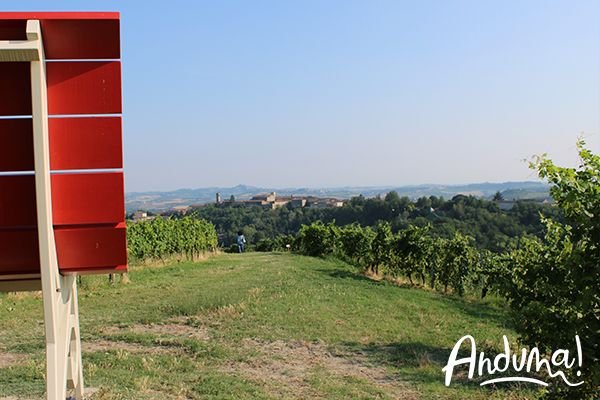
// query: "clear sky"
[[362, 93]]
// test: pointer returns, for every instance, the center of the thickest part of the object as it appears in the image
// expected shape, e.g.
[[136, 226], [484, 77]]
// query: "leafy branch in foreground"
[[554, 284]]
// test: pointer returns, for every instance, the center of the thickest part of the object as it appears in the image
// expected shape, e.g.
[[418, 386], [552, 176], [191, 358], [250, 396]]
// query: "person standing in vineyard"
[[241, 242]]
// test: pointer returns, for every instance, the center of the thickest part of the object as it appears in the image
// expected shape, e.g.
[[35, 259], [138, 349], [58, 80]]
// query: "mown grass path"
[[257, 326]]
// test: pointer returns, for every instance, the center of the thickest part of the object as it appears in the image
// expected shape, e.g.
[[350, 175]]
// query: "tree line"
[[490, 227]]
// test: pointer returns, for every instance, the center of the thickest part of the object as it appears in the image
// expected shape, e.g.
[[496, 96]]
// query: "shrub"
[[318, 239]]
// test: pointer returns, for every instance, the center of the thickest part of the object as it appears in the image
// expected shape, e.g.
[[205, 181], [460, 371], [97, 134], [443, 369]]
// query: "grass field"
[[256, 326]]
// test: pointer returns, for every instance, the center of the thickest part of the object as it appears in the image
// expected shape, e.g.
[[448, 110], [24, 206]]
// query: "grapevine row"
[[160, 238]]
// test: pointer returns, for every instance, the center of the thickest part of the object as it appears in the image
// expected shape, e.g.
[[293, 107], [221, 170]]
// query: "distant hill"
[[160, 201]]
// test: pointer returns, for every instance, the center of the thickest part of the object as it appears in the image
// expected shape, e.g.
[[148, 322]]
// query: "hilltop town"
[[273, 201], [181, 199], [267, 201]]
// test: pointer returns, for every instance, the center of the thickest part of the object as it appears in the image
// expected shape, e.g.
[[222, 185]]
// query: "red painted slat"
[[16, 145], [13, 29], [84, 87], [17, 201], [15, 88], [88, 198], [85, 143], [81, 249], [81, 39], [19, 252], [68, 35], [59, 15], [116, 269], [88, 209]]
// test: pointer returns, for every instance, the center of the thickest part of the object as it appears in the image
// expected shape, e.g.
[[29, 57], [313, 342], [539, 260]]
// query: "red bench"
[[61, 179]]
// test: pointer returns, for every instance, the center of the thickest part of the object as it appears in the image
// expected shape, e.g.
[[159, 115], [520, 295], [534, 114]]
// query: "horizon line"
[[392, 186]]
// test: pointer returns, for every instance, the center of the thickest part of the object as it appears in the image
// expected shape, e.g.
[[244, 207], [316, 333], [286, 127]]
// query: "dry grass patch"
[[104, 346], [11, 359], [286, 368], [170, 260], [190, 332], [182, 327]]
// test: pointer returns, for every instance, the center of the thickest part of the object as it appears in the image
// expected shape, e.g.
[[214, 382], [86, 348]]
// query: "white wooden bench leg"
[[61, 313]]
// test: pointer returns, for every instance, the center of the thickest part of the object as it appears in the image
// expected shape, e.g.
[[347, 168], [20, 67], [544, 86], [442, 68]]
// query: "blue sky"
[[362, 93]]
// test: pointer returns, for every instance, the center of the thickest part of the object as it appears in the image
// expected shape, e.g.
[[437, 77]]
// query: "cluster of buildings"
[[269, 200], [506, 205], [272, 201]]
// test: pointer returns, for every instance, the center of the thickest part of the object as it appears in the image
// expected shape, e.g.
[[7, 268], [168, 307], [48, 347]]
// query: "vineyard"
[[161, 238], [550, 279], [410, 253]]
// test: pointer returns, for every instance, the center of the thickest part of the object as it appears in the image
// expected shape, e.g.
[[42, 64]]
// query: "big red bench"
[[61, 180]]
